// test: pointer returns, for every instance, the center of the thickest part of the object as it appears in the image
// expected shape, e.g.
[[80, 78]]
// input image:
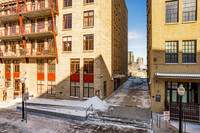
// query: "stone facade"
[[109, 54]]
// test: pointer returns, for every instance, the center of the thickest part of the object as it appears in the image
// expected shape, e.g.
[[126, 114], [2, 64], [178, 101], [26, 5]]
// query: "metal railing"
[[28, 7], [46, 51], [89, 109], [40, 28], [191, 112]]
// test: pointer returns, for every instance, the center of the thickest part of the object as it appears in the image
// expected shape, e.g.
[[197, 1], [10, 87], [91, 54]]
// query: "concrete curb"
[[55, 114]]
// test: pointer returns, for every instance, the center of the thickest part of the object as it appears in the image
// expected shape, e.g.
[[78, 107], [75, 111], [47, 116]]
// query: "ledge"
[[88, 27]]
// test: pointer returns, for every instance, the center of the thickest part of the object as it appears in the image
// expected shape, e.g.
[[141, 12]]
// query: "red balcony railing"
[[31, 52], [36, 29], [49, 4]]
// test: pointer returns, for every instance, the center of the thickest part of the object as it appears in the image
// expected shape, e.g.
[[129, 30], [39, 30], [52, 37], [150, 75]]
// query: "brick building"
[[67, 49], [173, 55]]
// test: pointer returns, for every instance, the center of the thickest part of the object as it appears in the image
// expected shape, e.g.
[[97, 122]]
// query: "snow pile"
[[97, 103], [10, 104]]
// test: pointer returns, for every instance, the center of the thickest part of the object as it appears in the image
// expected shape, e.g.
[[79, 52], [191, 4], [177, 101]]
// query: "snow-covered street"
[[10, 122]]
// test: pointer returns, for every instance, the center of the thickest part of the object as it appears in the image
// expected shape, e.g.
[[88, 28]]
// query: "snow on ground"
[[95, 101], [10, 104], [10, 122], [190, 127], [133, 93]]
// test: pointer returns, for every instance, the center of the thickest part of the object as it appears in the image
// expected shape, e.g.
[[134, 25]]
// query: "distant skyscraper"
[[140, 60], [130, 57]]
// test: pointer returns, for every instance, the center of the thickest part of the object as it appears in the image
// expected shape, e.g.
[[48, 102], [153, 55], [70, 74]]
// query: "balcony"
[[30, 10], [29, 53], [41, 30]]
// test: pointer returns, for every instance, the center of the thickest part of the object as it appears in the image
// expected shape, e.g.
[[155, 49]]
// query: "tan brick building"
[[173, 54], [67, 49]]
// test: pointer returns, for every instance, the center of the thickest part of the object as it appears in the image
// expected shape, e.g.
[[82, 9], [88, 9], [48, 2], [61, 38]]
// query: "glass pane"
[[174, 96]]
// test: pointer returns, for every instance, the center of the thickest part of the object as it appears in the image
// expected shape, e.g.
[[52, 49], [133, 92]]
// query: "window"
[[189, 52], [88, 42], [41, 25], [67, 3], [13, 29], [7, 66], [33, 47], [67, 43], [88, 1], [189, 10], [40, 66], [104, 88], [88, 18], [67, 21], [17, 84], [40, 46], [7, 82], [88, 90], [171, 12], [51, 66], [75, 89], [88, 66], [51, 88], [32, 26], [6, 46], [16, 65], [13, 46], [75, 66], [6, 29], [51, 43], [40, 87], [171, 55]]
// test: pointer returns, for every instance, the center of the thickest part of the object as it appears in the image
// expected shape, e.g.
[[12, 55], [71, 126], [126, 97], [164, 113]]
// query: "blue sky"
[[137, 27]]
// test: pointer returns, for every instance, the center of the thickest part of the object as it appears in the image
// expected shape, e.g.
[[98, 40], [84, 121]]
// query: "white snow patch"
[[190, 128], [10, 104]]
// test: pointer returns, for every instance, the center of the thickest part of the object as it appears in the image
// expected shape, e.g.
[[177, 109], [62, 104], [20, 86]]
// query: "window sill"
[[171, 63], [188, 22], [189, 63], [67, 29], [88, 27], [174, 23], [88, 51], [85, 4], [66, 51], [68, 7], [74, 97], [86, 98]]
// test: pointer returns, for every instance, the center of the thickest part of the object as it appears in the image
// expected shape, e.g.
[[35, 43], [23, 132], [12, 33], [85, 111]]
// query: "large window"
[[51, 66], [190, 96], [88, 1], [189, 52], [7, 82], [40, 46], [16, 66], [7, 66], [171, 12], [88, 42], [67, 21], [88, 66], [88, 90], [67, 43], [40, 66], [75, 89], [41, 25], [75, 66], [171, 55], [40, 87], [88, 18], [189, 10], [67, 3], [51, 88]]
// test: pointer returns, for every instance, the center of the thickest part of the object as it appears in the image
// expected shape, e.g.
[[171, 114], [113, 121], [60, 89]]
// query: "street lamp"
[[22, 80], [181, 92]]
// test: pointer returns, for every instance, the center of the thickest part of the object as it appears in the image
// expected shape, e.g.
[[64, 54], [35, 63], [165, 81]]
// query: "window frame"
[[88, 89], [188, 17], [171, 54], [67, 21], [76, 66], [88, 18], [88, 1], [189, 54], [67, 1], [67, 48], [171, 13], [75, 89], [88, 42], [88, 67]]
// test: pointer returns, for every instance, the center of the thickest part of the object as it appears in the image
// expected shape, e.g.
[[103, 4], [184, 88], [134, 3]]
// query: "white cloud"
[[133, 35]]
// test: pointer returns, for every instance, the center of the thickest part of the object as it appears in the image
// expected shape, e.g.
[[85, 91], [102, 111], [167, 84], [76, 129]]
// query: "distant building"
[[140, 60], [130, 57]]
